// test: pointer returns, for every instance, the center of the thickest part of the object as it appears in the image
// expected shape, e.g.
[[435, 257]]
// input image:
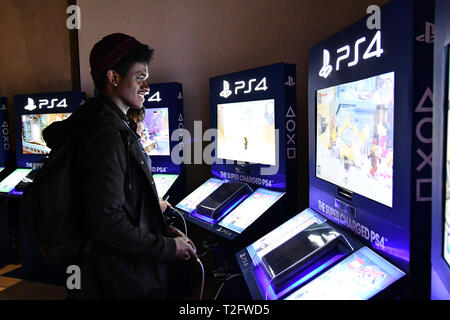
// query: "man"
[[128, 244]]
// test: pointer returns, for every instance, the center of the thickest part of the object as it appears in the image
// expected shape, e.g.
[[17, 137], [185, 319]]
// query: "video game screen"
[[155, 135], [13, 179], [246, 131], [32, 127], [189, 203], [358, 277], [250, 209], [446, 231], [355, 136], [163, 182]]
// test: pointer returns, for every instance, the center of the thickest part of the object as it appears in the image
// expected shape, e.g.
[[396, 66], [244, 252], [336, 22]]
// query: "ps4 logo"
[[156, 97], [244, 259], [242, 85], [428, 36], [290, 81], [373, 50], [45, 103]]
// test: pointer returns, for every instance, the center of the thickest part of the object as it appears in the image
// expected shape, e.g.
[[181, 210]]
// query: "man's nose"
[[145, 86]]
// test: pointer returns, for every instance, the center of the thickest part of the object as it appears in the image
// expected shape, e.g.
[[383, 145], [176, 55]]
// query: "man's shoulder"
[[98, 116]]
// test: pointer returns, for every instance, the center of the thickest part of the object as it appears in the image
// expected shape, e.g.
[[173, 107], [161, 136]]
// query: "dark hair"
[[141, 53], [137, 115]]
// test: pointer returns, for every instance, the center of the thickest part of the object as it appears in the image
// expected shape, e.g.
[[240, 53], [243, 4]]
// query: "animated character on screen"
[[382, 146], [155, 135]]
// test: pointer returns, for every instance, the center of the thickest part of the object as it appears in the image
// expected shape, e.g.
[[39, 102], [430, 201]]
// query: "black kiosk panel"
[[440, 236], [254, 112], [369, 116]]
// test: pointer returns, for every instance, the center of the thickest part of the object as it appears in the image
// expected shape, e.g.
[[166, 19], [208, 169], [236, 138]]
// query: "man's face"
[[133, 86]]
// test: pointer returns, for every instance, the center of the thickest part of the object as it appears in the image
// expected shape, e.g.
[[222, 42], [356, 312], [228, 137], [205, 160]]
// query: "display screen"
[[355, 136], [198, 195], [446, 231], [282, 234], [13, 179], [250, 209], [358, 277], [163, 183], [32, 127], [155, 136], [246, 131]]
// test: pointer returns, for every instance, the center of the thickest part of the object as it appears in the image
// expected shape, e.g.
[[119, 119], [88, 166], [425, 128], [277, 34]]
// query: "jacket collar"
[[115, 109]]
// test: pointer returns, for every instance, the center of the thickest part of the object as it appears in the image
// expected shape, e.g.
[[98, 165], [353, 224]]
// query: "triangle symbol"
[[290, 113], [420, 107], [180, 118]]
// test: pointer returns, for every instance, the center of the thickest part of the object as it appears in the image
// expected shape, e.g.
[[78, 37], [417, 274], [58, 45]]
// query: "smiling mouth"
[[142, 94]]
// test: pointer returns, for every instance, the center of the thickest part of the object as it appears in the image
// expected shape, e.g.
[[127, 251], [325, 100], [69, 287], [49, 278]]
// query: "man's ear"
[[112, 77]]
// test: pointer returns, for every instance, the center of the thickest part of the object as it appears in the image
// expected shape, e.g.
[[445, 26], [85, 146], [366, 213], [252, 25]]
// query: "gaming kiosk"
[[32, 114], [440, 239], [253, 121], [7, 228], [366, 231], [161, 134]]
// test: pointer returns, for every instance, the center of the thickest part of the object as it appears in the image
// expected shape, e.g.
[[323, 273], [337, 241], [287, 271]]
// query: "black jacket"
[[119, 206]]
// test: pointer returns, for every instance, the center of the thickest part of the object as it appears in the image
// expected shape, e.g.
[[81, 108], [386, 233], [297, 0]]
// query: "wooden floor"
[[18, 289]]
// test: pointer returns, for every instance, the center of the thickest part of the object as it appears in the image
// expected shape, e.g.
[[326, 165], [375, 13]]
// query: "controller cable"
[[223, 283], [179, 214], [197, 258], [203, 278]]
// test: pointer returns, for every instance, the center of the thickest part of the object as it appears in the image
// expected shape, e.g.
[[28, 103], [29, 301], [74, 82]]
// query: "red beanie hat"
[[109, 51]]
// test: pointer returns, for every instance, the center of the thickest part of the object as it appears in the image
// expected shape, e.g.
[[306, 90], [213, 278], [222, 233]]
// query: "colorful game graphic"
[[32, 127], [198, 195], [163, 183], [446, 242], [155, 136], [246, 131], [13, 179], [250, 209], [359, 277], [355, 136]]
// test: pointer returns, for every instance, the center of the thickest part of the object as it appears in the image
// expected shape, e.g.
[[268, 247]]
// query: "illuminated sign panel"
[[189, 203], [359, 277], [13, 179], [163, 182], [346, 52], [245, 87]]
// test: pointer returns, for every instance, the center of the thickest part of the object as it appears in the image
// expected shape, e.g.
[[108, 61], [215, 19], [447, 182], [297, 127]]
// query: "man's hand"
[[164, 205], [184, 249], [174, 233]]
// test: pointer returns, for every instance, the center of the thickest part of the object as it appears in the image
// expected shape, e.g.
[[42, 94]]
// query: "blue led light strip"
[[299, 281]]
